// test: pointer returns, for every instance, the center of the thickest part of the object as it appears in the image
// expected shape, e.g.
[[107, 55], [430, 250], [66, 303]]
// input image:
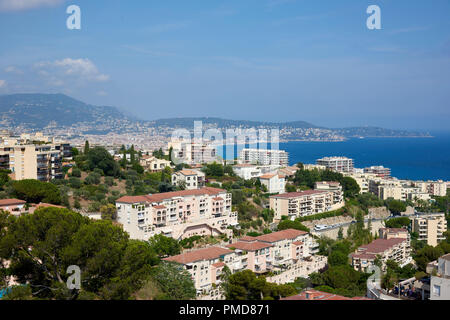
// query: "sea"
[[408, 158]]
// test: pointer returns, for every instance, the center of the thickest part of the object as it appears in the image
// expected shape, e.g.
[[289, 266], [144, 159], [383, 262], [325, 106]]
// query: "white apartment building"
[[430, 227], [192, 152], [333, 186], [379, 171], [30, 158], [264, 157], [440, 283], [190, 179], [248, 171], [305, 203], [179, 214], [339, 164], [274, 182]]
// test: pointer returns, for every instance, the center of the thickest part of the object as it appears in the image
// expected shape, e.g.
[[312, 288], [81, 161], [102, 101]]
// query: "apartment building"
[[333, 186], [389, 233], [190, 179], [192, 152], [362, 179], [433, 188], [339, 164], [310, 167], [304, 203], [289, 171], [274, 182], [396, 249], [430, 227], [264, 157], [30, 158], [153, 164], [440, 283], [179, 214], [248, 171], [287, 252], [205, 266], [379, 171]]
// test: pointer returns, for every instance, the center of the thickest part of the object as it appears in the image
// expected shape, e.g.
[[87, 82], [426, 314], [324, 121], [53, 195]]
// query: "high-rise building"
[[33, 157]]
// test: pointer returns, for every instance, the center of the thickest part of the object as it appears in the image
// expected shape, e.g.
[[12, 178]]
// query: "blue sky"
[[274, 60]]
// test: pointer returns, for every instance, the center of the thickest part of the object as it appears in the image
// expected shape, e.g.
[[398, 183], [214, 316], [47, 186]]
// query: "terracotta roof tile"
[[11, 202], [249, 246], [281, 235], [199, 255]]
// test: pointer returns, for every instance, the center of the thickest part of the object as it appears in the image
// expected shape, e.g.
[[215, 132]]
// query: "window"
[[437, 290]]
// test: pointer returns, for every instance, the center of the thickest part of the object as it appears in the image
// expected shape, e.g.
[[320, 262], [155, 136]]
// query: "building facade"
[[190, 179], [430, 227], [264, 157], [440, 283], [339, 164], [179, 214]]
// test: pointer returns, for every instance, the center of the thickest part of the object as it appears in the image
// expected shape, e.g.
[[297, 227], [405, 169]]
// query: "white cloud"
[[20, 5], [83, 69], [13, 69], [2, 83]]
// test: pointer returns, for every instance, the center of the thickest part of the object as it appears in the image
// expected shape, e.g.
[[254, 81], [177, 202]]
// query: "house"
[[440, 283], [274, 182], [153, 164], [190, 179]]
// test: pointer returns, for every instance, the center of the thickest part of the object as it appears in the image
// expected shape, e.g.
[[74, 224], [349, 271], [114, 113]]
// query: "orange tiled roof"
[[281, 235], [11, 202], [320, 295], [298, 194], [199, 255], [158, 197]]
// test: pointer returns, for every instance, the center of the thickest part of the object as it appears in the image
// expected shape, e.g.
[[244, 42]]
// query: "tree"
[[337, 258], [245, 285], [164, 246], [214, 170], [35, 191], [100, 158], [396, 207], [86, 147], [76, 172], [41, 246], [109, 212], [399, 222], [289, 224], [350, 187], [175, 282], [340, 235]]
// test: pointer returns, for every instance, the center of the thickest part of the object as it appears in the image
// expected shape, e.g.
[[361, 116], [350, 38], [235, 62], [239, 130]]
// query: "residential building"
[[287, 254], [379, 171], [13, 206], [33, 159], [389, 233], [430, 227], [247, 171], [274, 182], [190, 179], [192, 152], [153, 164], [304, 203], [264, 157], [339, 164], [179, 214], [205, 266], [333, 186], [396, 249], [314, 167], [440, 283]]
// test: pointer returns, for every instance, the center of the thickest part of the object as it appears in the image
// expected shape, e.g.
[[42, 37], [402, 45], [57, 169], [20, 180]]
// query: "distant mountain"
[[40, 110], [52, 112]]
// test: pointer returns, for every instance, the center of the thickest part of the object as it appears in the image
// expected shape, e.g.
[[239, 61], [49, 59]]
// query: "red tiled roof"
[[298, 194], [281, 235], [297, 243], [11, 202], [159, 207], [198, 255], [247, 238], [218, 199], [394, 230], [320, 295], [46, 205], [157, 197], [218, 264], [268, 176], [380, 245], [249, 246]]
